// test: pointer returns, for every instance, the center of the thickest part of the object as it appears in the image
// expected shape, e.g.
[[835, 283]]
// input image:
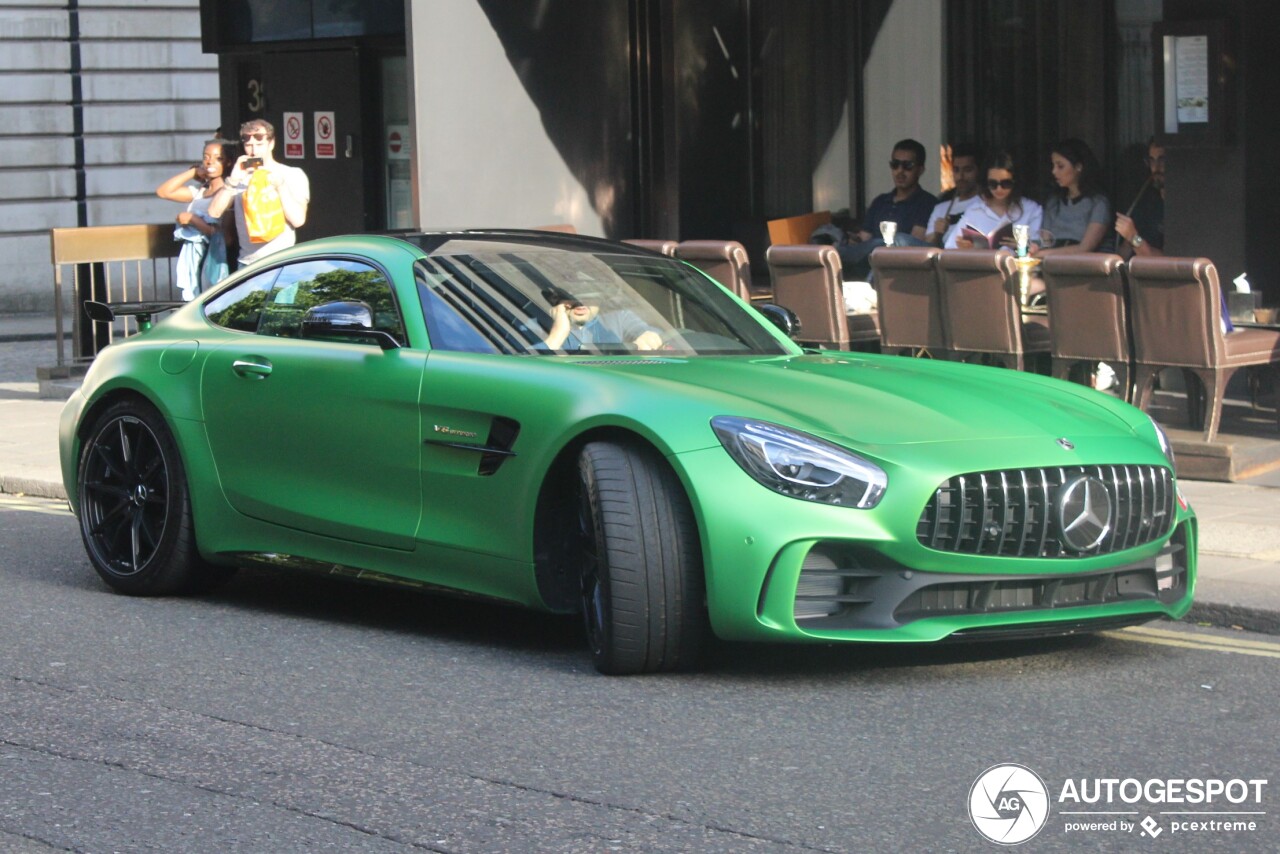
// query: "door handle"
[[252, 369], [351, 150]]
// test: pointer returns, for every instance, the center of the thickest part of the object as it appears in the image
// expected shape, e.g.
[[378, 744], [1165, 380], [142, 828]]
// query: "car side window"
[[279, 307], [241, 307]]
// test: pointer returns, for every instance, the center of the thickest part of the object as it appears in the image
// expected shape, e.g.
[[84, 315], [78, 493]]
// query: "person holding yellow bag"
[[270, 198]]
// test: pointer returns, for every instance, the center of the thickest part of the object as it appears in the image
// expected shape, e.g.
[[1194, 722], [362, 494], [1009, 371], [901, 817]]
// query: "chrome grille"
[[1014, 512]]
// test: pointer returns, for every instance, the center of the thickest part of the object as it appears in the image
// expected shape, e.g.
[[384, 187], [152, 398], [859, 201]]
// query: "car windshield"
[[538, 301]]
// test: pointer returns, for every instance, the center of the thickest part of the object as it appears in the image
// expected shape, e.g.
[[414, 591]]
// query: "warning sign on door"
[[326, 149], [295, 142]]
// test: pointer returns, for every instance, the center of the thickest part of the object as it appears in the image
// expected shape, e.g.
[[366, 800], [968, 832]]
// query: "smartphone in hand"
[[252, 162]]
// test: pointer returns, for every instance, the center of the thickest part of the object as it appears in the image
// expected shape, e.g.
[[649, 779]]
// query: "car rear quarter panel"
[[137, 368]]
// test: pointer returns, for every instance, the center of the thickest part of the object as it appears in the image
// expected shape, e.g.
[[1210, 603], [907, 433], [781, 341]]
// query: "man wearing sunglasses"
[[907, 204], [290, 184]]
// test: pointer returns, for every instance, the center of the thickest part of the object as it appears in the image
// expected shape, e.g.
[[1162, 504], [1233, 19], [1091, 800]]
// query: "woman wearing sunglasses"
[[1001, 204], [1077, 216]]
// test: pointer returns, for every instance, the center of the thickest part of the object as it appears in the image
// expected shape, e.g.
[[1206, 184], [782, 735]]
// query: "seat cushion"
[[1251, 346]]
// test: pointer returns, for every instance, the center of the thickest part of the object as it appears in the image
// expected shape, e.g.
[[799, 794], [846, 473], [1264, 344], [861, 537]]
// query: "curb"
[[34, 488], [15, 337], [1234, 617]]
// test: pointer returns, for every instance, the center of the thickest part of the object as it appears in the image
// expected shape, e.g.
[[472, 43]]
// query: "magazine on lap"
[[994, 240]]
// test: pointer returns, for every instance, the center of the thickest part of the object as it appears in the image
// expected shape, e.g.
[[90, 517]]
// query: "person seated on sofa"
[[907, 204], [1000, 202], [945, 218], [1077, 215]]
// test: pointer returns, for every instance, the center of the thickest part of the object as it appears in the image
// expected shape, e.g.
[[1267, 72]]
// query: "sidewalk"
[[1239, 522]]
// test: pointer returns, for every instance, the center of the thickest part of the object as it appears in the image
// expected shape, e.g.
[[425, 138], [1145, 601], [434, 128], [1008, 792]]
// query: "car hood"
[[885, 400]]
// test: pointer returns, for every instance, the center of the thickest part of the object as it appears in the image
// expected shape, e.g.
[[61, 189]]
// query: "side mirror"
[[345, 319], [781, 317]]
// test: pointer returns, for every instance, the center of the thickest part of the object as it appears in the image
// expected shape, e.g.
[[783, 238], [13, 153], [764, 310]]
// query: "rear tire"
[[642, 580], [135, 514]]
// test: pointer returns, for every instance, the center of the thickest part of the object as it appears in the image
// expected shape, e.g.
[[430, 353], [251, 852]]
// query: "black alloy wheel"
[[135, 516]]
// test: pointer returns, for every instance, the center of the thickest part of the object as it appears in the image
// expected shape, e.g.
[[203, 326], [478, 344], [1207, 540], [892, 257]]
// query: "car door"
[[319, 434]]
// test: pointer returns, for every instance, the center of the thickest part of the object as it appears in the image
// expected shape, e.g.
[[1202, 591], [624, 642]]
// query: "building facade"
[[685, 118], [101, 101]]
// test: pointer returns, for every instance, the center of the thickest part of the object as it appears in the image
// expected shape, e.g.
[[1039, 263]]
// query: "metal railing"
[[108, 263]]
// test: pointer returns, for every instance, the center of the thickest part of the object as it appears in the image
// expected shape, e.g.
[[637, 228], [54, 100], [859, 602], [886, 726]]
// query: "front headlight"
[[1165, 445], [800, 465]]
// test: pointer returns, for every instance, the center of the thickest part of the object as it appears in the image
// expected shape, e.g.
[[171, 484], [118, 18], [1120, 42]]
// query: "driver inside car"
[[578, 321]]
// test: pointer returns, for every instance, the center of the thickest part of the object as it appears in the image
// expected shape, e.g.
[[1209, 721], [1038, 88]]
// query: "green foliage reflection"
[[280, 313]]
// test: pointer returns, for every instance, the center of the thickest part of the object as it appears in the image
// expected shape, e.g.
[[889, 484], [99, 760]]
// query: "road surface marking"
[[1196, 640], [31, 504]]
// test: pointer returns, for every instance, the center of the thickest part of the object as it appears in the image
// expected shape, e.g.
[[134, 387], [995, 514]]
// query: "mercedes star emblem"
[[1084, 513]]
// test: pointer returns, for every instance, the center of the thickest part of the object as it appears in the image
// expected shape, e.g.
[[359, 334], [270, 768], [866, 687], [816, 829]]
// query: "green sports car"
[[572, 424]]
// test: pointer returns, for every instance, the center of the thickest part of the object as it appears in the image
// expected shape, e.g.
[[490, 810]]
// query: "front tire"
[[135, 514], [642, 580]]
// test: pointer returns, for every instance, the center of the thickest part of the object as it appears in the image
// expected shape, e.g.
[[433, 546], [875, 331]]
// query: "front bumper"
[[841, 590], [788, 570]]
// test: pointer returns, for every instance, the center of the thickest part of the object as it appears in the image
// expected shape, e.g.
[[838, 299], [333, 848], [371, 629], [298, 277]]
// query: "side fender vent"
[[502, 435]]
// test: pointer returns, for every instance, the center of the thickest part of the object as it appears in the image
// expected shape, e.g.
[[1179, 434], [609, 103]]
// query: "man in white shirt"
[[945, 218], [258, 137]]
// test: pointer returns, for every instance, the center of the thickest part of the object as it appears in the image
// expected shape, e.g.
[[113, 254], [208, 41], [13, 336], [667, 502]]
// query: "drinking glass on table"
[[888, 231], [1021, 237]]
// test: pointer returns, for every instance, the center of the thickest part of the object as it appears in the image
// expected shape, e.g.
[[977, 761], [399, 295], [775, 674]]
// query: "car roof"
[[433, 242]]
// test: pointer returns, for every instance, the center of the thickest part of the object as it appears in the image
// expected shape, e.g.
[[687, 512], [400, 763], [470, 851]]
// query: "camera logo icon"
[[1008, 804]]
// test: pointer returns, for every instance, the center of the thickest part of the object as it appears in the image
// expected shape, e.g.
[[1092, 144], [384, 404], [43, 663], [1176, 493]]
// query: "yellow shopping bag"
[[263, 211]]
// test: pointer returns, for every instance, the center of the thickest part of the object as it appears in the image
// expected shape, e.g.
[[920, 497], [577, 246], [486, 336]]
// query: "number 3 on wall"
[[255, 96]]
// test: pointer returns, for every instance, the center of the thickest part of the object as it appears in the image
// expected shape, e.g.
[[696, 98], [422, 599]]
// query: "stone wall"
[[89, 148]]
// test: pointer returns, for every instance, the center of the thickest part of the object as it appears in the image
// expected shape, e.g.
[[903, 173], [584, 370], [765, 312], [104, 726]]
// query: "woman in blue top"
[[1077, 215]]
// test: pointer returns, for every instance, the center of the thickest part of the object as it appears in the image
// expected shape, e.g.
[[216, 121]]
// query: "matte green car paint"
[[339, 464], [333, 445], [179, 356]]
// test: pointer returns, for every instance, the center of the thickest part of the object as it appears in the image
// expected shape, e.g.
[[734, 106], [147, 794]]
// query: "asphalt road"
[[294, 714]]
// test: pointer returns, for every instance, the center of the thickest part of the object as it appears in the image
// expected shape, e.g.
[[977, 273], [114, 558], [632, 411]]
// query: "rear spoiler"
[[106, 312]]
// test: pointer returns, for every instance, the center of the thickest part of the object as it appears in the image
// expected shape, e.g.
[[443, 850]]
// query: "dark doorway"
[[312, 83]]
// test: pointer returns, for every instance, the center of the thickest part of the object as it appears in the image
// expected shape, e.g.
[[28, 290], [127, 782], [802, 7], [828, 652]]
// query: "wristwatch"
[[1137, 241]]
